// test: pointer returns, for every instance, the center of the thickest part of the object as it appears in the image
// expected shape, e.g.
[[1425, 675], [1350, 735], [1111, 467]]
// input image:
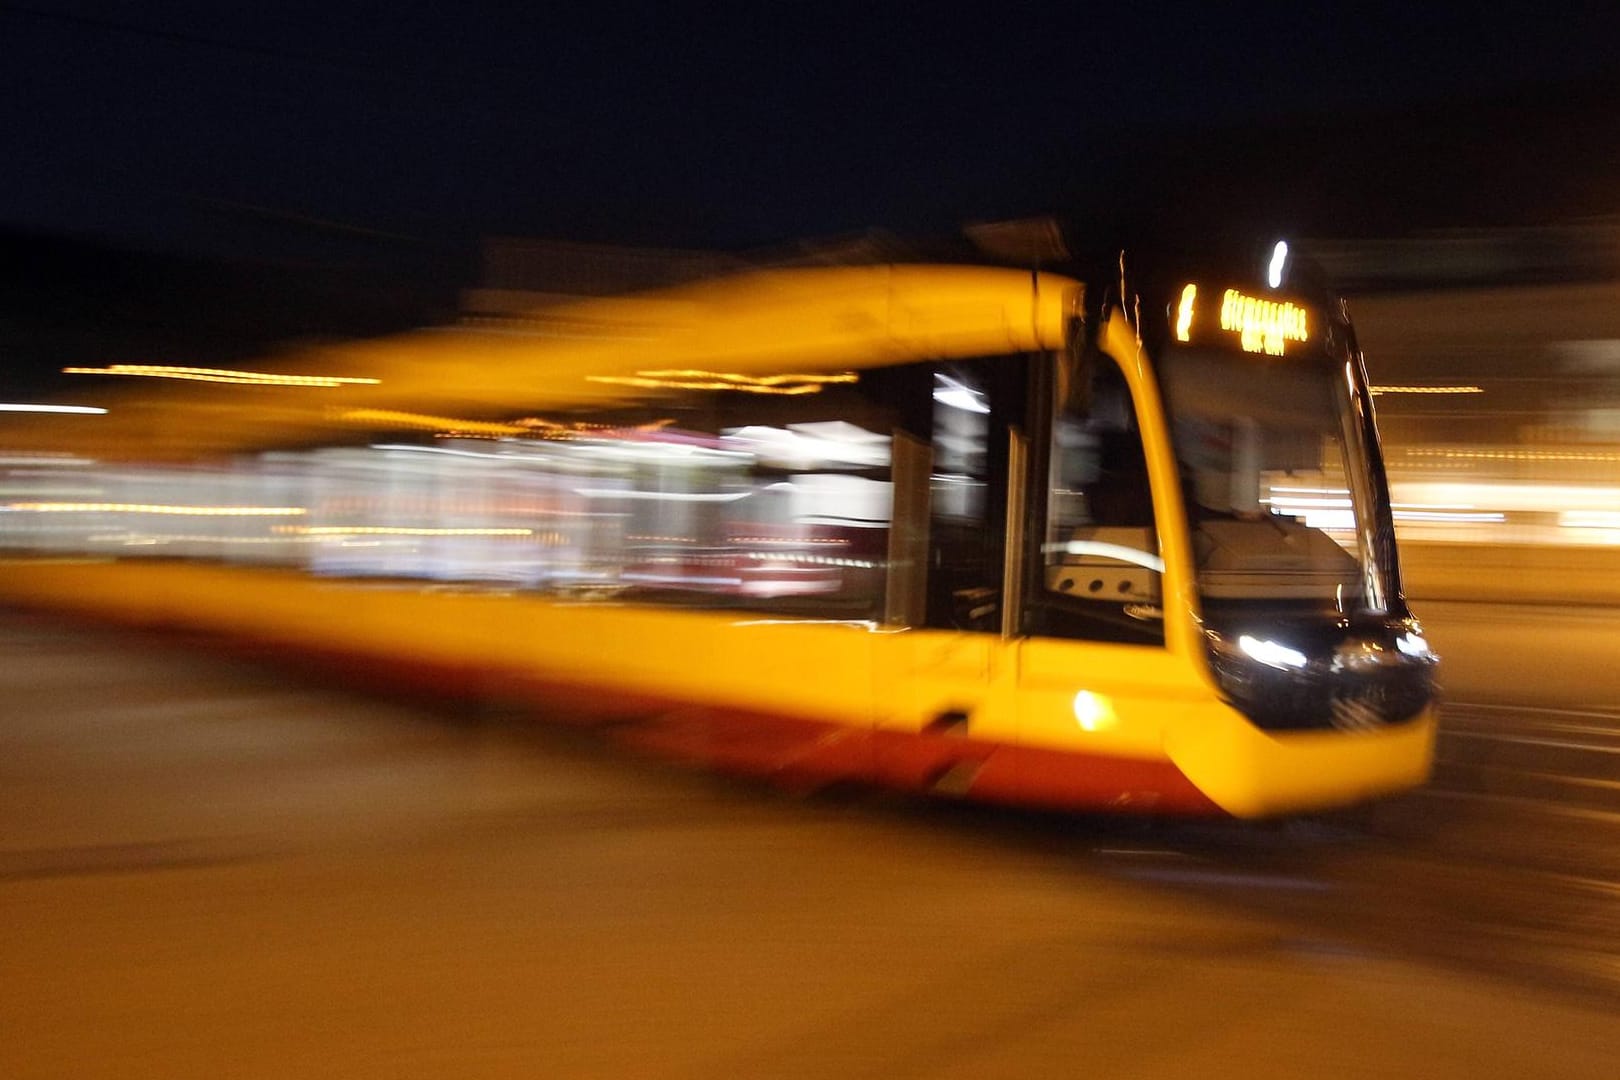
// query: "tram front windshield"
[[1276, 480]]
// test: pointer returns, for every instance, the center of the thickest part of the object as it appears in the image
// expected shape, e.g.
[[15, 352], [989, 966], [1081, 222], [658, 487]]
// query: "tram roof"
[[755, 325]]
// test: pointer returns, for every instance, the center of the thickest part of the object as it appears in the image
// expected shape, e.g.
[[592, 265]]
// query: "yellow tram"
[[1098, 543]]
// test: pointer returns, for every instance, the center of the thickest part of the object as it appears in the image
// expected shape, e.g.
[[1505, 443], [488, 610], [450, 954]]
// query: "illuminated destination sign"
[[1261, 326]]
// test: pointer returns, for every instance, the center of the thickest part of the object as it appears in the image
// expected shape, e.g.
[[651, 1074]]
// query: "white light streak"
[[39, 462], [1279, 256], [1457, 517], [1118, 552], [413, 448], [662, 496], [1508, 495], [78, 410], [1589, 519], [1282, 506], [156, 508], [955, 395]]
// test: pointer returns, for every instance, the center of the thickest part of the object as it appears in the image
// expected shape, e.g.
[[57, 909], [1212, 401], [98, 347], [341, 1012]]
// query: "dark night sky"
[[175, 123]]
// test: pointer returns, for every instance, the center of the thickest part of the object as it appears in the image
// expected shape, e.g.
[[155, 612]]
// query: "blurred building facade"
[[1498, 352]]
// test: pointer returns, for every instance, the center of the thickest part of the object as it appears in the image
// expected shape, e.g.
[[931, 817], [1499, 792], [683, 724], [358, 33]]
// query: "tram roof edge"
[[568, 356]]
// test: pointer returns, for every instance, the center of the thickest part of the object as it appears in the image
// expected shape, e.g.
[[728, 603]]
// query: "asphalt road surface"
[[1524, 655], [210, 868]]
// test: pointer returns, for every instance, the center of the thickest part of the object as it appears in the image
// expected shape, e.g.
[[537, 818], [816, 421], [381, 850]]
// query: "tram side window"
[[964, 573], [769, 502], [756, 498], [1100, 566], [973, 403]]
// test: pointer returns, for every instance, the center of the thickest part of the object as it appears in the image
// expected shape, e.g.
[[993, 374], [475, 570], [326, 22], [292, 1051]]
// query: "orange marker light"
[[1184, 313]]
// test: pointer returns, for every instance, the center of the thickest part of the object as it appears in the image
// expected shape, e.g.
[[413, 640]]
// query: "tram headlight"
[[1271, 653], [1414, 646], [1328, 675], [1093, 711]]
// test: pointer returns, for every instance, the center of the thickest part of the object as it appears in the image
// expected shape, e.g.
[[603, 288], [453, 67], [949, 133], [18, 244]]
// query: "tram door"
[[1095, 678], [948, 682]]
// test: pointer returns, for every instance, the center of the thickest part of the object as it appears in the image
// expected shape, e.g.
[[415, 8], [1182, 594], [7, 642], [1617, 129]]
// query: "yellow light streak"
[[1263, 326], [1426, 389], [1511, 455], [454, 427], [577, 427], [1184, 313], [158, 508], [201, 538], [392, 530], [687, 379], [222, 375], [803, 559], [44, 458], [422, 421]]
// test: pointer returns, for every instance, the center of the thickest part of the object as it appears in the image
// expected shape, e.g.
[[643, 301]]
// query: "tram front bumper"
[[1252, 773]]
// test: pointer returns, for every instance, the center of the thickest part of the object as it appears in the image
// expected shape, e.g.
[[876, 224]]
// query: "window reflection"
[[789, 515], [1270, 478], [1101, 562]]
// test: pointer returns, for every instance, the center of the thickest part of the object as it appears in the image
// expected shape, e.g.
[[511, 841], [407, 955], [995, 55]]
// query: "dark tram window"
[[1099, 565]]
